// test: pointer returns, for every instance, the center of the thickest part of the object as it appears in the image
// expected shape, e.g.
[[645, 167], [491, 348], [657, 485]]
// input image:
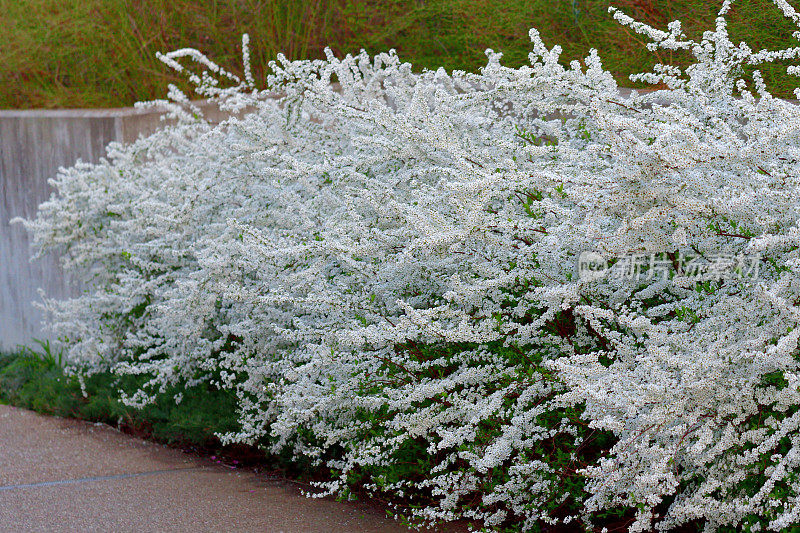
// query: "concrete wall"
[[33, 145]]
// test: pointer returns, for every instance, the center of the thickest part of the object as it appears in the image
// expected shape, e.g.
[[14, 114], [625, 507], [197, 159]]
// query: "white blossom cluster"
[[381, 263]]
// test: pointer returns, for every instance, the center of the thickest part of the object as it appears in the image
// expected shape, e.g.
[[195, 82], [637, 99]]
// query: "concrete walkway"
[[60, 475]]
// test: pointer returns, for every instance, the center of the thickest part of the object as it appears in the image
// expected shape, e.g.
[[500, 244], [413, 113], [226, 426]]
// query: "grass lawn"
[[101, 53]]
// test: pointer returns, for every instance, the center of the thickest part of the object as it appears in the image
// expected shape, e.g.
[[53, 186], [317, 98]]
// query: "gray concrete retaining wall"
[[33, 145]]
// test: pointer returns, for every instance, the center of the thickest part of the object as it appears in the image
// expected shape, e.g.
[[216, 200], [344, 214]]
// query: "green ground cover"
[[35, 379], [101, 53]]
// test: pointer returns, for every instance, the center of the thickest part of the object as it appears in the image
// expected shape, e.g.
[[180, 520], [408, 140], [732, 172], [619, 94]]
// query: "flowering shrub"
[[384, 271]]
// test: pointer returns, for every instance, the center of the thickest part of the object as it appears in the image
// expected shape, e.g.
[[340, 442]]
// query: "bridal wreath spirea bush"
[[514, 296]]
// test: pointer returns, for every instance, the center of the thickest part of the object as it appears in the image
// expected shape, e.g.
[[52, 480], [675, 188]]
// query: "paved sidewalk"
[[60, 475]]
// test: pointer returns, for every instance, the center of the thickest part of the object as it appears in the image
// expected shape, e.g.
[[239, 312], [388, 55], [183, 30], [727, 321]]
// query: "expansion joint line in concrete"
[[96, 478]]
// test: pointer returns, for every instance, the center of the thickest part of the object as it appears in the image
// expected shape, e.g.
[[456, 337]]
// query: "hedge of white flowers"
[[382, 265]]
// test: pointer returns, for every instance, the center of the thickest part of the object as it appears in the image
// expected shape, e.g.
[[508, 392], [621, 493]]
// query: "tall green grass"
[[101, 53]]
